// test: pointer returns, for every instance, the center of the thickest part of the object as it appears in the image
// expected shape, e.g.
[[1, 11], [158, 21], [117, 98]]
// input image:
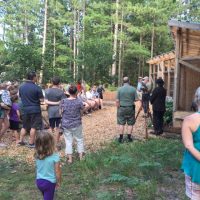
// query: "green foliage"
[[21, 46], [168, 117]]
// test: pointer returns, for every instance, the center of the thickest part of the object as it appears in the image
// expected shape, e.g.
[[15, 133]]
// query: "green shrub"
[[168, 117]]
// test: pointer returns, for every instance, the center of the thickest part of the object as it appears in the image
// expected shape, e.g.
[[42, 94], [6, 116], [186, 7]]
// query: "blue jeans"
[[47, 188]]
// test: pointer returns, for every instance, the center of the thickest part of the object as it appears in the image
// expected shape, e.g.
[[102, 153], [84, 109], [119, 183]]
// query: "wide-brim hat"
[[160, 81]]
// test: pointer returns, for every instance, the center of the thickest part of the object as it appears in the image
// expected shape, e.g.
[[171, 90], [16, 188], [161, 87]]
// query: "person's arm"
[[188, 139], [136, 96], [61, 107], [58, 174], [40, 94], [117, 100], [51, 102], [4, 106], [16, 107], [153, 96]]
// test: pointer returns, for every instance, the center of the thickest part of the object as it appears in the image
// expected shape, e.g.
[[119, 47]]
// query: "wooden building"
[[163, 66], [187, 66]]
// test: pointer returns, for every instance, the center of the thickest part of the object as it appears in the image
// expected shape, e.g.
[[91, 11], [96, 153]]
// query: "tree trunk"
[[71, 47], [44, 41], [54, 50], [74, 35], [78, 37], [152, 40], [26, 27], [140, 59], [4, 31], [114, 65], [83, 67], [120, 50]]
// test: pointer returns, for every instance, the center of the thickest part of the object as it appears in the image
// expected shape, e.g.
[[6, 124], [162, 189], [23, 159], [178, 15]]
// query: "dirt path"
[[99, 128]]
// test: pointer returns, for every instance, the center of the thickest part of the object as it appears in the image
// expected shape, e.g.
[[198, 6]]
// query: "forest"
[[98, 41]]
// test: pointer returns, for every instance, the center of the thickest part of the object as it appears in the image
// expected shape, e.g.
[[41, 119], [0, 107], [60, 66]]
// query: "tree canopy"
[[81, 39]]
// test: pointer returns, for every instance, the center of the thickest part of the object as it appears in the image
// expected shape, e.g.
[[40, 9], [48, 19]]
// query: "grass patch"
[[141, 170]]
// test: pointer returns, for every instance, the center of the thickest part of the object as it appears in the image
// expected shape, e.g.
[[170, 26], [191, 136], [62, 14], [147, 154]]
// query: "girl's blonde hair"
[[44, 145], [197, 97]]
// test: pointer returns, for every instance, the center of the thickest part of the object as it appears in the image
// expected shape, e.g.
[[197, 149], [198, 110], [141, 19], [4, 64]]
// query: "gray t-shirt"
[[54, 95]]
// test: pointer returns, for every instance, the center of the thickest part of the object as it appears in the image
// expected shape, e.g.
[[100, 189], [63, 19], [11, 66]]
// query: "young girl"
[[14, 118], [48, 170], [71, 122]]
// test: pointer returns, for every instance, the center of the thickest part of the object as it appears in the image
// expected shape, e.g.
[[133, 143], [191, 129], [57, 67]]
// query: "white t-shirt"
[[89, 95]]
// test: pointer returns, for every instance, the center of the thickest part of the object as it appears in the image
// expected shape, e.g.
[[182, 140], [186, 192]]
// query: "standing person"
[[139, 92], [5, 105], [48, 171], [31, 96], [14, 118], [191, 158], [139, 85], [79, 86], [95, 96], [71, 109], [126, 96], [100, 90], [157, 99], [146, 91], [54, 95]]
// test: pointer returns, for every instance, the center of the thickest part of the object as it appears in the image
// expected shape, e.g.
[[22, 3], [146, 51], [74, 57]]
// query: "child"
[[48, 170], [14, 117], [71, 122]]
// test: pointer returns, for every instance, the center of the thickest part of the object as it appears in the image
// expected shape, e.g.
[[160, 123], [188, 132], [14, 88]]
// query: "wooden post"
[[177, 70], [169, 78]]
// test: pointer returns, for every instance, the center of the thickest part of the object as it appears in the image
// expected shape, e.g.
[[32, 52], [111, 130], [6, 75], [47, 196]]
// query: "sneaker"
[[30, 146], [21, 143], [120, 140], [2, 145]]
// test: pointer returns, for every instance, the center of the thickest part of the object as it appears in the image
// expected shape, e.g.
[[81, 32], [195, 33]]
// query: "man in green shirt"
[[125, 102]]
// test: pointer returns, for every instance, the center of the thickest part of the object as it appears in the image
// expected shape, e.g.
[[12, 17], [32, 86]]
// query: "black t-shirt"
[[30, 95]]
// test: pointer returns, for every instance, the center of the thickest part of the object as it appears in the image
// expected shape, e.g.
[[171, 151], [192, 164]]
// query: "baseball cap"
[[146, 77]]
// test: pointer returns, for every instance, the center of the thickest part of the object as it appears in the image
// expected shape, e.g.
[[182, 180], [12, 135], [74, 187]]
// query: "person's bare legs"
[[81, 156], [22, 134], [32, 136], [69, 158], [1, 125], [5, 125], [121, 129], [16, 134], [130, 130], [121, 133], [101, 103]]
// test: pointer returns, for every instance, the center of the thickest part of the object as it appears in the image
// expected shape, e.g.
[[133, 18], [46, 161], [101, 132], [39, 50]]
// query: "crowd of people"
[[22, 107], [127, 95], [65, 107], [21, 111]]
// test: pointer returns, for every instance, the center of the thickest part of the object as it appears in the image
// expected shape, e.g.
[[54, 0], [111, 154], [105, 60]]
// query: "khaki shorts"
[[126, 115]]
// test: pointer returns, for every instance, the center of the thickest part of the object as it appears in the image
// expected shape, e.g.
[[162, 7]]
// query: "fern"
[[150, 164], [130, 182], [116, 178]]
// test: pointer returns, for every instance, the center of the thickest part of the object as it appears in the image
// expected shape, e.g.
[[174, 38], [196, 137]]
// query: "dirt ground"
[[99, 128]]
